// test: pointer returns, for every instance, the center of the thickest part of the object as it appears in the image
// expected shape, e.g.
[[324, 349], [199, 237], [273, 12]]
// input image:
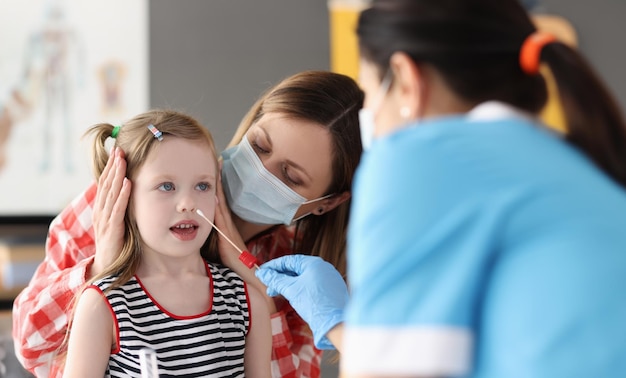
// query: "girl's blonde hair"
[[333, 101], [137, 142]]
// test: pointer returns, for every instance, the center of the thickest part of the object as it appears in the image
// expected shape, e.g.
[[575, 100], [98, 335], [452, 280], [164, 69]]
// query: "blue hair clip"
[[156, 132]]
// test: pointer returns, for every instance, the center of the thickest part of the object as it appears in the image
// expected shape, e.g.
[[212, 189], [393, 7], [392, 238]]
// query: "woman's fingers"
[[224, 222], [222, 207], [223, 219], [104, 183], [109, 209], [117, 180], [111, 182], [119, 208]]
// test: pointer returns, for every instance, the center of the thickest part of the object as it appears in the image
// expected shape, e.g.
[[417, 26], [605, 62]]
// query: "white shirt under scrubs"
[[485, 246]]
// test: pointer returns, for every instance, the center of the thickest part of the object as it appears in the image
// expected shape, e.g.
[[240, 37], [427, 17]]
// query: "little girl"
[[161, 292]]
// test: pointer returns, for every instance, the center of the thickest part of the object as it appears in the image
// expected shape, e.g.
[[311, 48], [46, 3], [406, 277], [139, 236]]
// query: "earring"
[[405, 112], [320, 210]]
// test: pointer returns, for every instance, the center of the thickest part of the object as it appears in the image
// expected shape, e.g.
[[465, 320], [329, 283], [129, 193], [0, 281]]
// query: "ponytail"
[[101, 133], [595, 123], [491, 50]]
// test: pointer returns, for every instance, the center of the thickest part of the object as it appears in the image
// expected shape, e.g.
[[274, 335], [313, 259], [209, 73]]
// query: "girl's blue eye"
[[166, 186], [203, 186]]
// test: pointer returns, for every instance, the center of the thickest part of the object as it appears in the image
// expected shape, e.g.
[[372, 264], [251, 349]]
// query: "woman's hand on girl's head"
[[229, 255], [108, 212], [224, 222]]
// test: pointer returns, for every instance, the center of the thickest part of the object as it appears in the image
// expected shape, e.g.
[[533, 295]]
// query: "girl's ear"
[[408, 83], [331, 203]]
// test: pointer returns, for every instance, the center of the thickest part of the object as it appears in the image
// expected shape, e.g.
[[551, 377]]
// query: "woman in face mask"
[[481, 244], [286, 175]]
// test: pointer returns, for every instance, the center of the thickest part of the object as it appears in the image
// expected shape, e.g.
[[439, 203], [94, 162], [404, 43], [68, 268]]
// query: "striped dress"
[[209, 344]]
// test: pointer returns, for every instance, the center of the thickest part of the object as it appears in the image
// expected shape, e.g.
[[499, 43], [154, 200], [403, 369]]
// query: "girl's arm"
[[257, 355], [91, 336]]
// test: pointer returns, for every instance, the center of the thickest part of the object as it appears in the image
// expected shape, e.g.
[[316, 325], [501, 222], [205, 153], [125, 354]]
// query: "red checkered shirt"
[[41, 311]]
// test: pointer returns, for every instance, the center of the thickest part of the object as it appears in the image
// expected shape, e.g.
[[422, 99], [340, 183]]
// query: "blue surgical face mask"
[[253, 192], [367, 116]]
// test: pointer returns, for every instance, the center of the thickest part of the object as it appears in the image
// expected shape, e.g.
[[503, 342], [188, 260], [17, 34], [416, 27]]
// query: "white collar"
[[495, 110]]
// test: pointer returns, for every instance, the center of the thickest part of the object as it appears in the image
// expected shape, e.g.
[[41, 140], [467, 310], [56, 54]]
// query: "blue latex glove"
[[313, 287]]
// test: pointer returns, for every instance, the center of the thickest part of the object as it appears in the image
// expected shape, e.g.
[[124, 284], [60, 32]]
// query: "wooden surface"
[[18, 262]]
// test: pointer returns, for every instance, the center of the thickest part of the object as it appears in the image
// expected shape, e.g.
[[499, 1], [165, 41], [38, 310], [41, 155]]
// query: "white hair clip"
[[156, 132]]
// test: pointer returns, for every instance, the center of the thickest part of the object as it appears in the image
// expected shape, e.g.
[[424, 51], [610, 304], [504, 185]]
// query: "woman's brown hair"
[[333, 101]]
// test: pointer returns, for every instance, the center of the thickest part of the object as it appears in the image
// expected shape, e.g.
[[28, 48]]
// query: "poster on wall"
[[65, 65]]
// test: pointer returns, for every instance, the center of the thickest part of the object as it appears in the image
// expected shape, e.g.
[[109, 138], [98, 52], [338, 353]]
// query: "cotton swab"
[[244, 256]]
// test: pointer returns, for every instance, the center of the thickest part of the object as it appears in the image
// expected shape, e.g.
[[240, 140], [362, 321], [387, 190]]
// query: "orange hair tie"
[[531, 51]]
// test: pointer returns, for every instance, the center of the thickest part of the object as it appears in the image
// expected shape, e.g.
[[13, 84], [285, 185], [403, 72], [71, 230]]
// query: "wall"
[[214, 58], [600, 26]]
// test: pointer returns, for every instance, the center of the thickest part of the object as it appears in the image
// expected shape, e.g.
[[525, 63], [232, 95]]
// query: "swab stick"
[[244, 256]]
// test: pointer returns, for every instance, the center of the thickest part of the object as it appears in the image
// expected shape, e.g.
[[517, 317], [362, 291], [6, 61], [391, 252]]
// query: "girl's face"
[[177, 178], [298, 152]]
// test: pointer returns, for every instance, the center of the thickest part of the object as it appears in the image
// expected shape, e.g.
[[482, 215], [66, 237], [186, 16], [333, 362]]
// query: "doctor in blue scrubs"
[[481, 243]]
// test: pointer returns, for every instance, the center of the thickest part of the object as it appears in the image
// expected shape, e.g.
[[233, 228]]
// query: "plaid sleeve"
[[40, 311], [293, 351]]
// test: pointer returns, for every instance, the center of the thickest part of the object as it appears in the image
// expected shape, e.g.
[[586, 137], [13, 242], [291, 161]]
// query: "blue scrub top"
[[485, 248]]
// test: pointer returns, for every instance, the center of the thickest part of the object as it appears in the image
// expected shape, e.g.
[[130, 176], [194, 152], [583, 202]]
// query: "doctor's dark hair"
[[333, 101], [138, 143], [475, 46]]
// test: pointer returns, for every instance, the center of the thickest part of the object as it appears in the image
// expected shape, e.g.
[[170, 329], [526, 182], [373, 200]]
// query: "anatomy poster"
[[65, 65]]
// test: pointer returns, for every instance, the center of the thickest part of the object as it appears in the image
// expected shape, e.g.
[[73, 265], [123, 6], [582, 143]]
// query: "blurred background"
[[110, 60], [212, 59]]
